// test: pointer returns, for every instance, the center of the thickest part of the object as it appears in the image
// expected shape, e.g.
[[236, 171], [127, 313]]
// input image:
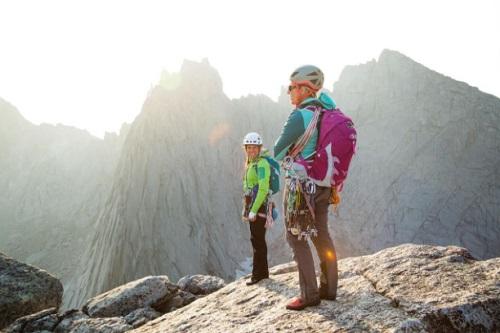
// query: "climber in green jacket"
[[256, 192]]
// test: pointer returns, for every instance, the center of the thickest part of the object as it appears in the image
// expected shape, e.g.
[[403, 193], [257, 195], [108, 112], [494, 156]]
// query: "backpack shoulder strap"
[[256, 164]]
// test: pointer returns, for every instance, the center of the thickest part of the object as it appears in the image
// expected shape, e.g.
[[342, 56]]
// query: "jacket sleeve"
[[263, 174], [293, 129]]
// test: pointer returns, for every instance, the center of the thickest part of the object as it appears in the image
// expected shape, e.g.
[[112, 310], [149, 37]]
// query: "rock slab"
[[408, 288]]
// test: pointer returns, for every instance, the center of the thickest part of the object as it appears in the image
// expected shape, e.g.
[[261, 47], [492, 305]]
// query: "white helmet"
[[252, 138]]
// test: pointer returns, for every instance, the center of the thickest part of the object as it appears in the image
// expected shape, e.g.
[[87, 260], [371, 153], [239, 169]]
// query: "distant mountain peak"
[[9, 112], [197, 77], [10, 118], [393, 55], [200, 76]]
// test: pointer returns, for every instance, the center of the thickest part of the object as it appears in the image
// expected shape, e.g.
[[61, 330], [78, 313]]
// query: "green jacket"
[[260, 176]]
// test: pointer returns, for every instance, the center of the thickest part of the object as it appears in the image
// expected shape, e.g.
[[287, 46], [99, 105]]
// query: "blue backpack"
[[274, 179]]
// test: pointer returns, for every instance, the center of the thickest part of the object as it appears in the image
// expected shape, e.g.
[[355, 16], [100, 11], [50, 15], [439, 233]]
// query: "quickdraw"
[[299, 210]]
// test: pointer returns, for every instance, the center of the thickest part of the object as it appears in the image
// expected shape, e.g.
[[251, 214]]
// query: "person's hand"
[[252, 216]]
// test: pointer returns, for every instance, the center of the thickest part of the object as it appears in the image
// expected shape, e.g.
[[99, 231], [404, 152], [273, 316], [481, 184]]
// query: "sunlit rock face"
[[53, 181], [175, 203], [427, 169]]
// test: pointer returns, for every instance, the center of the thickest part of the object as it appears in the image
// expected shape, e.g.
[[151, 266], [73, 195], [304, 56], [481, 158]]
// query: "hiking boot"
[[254, 281], [298, 304], [323, 293]]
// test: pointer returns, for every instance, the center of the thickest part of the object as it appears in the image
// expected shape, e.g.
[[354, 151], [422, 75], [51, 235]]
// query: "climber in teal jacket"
[[256, 190], [305, 83]]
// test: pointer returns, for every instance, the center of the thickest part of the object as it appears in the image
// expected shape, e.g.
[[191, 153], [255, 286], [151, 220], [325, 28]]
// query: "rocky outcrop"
[[409, 288], [121, 309], [25, 289]]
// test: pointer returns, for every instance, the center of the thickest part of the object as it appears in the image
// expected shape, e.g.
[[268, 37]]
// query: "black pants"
[[258, 238]]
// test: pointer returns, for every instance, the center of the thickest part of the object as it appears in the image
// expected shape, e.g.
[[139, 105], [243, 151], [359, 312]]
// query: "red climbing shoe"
[[298, 304]]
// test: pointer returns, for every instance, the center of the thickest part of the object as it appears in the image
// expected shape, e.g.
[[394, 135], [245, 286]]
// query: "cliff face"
[[53, 180], [175, 203], [427, 168]]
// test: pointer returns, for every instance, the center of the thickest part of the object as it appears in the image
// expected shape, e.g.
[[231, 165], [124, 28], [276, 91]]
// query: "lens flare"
[[330, 255], [218, 132]]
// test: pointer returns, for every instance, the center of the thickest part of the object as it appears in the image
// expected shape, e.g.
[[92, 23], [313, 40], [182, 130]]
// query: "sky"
[[89, 64]]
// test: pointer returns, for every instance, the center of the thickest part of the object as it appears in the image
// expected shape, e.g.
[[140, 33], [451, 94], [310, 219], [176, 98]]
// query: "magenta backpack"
[[334, 150]]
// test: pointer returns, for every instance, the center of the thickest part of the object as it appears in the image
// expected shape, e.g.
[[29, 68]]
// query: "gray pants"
[[326, 252]]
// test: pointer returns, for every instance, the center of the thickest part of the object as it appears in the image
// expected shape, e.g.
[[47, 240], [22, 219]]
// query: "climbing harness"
[[270, 208]]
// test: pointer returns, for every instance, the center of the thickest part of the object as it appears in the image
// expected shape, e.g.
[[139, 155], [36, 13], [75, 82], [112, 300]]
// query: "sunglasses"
[[291, 87]]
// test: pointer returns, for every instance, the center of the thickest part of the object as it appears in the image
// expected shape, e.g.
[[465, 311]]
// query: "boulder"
[[201, 284], [25, 289], [153, 291]]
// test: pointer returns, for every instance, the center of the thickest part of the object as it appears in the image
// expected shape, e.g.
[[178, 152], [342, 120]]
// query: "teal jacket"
[[258, 172], [297, 124]]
